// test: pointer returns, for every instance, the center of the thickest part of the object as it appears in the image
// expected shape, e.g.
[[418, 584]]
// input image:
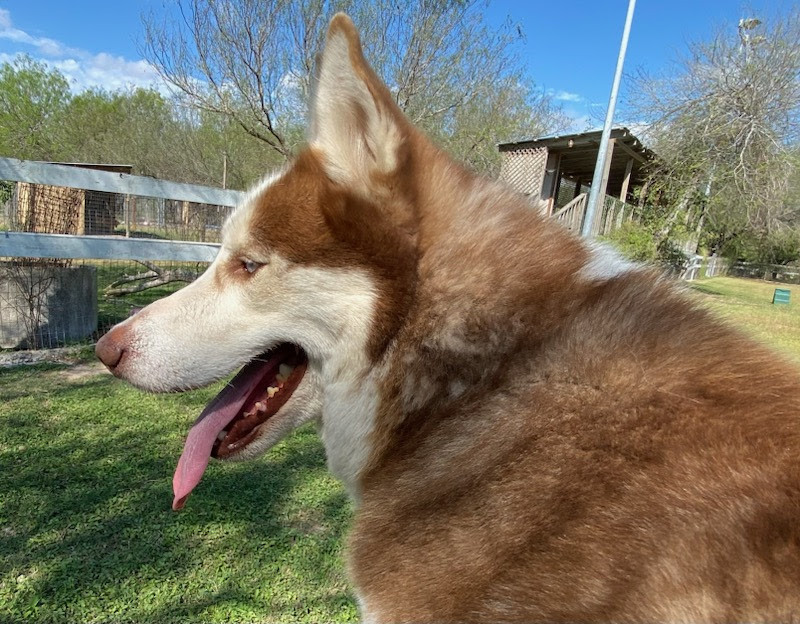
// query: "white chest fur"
[[350, 404]]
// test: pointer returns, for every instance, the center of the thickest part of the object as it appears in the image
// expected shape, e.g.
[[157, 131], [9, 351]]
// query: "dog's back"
[[641, 462]]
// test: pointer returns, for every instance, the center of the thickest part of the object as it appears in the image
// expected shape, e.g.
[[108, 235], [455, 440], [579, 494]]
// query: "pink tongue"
[[222, 409]]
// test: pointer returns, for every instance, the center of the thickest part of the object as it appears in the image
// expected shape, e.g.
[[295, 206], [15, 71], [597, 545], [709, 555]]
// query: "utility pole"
[[594, 192], [225, 169]]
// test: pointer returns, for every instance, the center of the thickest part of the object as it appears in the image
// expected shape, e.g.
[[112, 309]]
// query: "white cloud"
[[565, 96], [579, 122], [83, 69], [43, 45]]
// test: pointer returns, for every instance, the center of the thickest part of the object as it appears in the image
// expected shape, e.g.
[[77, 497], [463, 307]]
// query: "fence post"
[[126, 215]]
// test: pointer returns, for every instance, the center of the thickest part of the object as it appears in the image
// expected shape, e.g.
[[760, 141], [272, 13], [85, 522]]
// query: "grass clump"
[[747, 304]]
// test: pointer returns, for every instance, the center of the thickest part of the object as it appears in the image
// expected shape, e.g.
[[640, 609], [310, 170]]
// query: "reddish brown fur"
[[637, 468], [309, 220], [612, 459], [547, 447], [617, 454]]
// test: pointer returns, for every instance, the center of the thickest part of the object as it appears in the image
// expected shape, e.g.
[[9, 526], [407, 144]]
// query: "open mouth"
[[282, 370], [233, 418]]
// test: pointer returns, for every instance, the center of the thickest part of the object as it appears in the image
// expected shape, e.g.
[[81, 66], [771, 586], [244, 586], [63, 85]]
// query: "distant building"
[[65, 210], [554, 171]]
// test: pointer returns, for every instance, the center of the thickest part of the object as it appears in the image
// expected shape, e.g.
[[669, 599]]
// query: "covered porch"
[[556, 174]]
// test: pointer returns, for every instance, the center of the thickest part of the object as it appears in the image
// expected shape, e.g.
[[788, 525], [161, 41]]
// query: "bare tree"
[[252, 60], [724, 125]]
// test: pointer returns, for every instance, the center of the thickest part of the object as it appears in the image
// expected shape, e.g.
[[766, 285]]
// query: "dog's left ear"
[[354, 121]]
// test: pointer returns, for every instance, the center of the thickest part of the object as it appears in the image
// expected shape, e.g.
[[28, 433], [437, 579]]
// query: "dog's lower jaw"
[[305, 405]]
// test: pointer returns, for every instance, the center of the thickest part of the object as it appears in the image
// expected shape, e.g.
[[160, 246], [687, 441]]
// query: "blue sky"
[[570, 48]]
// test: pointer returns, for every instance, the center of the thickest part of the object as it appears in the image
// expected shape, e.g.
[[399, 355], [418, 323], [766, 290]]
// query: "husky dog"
[[530, 428]]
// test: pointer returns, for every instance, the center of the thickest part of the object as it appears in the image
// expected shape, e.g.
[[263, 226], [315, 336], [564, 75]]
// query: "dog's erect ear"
[[354, 122]]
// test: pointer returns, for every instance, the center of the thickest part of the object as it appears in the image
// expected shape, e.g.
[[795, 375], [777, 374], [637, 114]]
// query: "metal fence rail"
[[58, 289], [70, 199], [68, 247], [62, 175], [80, 249]]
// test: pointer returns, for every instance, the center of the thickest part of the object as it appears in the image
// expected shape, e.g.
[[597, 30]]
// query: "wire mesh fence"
[[51, 297], [567, 191], [47, 303], [63, 210]]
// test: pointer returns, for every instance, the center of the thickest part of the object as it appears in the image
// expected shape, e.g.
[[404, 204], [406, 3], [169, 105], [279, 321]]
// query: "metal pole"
[[594, 192]]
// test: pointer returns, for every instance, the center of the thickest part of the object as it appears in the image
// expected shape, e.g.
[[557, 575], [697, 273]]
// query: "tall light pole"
[[746, 24], [594, 192]]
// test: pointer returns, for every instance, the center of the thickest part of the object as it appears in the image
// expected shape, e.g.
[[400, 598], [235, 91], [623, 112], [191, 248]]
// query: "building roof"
[[579, 154], [590, 139]]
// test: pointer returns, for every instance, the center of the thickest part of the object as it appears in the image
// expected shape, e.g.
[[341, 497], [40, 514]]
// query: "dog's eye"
[[251, 266]]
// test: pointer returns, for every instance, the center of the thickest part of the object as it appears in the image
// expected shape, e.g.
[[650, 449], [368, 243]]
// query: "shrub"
[[638, 242], [635, 241]]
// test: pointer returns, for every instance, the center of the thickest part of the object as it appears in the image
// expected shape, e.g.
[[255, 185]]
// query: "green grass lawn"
[[86, 529], [747, 304]]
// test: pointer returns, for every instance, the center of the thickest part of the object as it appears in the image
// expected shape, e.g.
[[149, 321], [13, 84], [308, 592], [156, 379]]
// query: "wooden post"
[[81, 229], [620, 216], [577, 188], [127, 213], [598, 217], [623, 194], [549, 181], [607, 168], [556, 183], [132, 209]]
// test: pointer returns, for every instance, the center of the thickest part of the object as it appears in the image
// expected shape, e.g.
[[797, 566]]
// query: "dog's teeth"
[[260, 407], [280, 378], [271, 391], [221, 436], [285, 370]]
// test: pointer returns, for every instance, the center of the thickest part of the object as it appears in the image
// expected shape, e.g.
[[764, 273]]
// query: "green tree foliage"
[[243, 112], [41, 119], [32, 105]]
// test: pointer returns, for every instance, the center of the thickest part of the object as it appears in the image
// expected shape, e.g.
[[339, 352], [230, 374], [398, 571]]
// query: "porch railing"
[[571, 215], [612, 215]]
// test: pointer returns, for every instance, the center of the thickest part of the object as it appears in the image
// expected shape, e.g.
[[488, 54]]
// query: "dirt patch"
[[64, 355], [77, 366], [82, 371]]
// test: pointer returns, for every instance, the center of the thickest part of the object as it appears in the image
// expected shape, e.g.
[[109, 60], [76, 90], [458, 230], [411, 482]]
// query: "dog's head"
[[315, 270]]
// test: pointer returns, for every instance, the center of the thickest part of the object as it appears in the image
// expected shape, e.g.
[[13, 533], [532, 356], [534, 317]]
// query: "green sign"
[[781, 295]]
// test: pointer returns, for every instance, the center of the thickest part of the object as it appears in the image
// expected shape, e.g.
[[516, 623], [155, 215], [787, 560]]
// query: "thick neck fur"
[[492, 280]]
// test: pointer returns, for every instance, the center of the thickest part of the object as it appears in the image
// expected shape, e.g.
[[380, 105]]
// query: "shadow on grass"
[[86, 530], [707, 289]]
